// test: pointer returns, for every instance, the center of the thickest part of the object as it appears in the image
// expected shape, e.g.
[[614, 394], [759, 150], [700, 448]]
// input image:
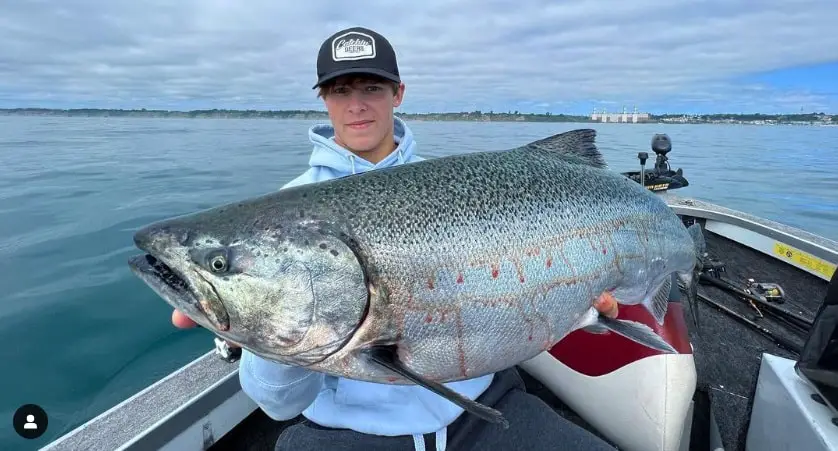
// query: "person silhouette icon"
[[30, 422]]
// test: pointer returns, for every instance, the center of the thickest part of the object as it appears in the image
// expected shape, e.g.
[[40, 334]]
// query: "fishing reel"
[[771, 292], [714, 268]]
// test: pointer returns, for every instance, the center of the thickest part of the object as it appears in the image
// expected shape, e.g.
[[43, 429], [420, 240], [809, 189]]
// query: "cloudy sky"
[[533, 56]]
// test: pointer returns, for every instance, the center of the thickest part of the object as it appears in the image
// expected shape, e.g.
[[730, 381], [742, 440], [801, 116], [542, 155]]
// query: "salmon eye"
[[218, 263]]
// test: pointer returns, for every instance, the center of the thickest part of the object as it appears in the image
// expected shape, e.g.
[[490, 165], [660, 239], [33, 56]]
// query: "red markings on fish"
[[461, 352], [495, 271], [431, 283], [392, 378], [567, 263], [549, 262], [604, 251], [428, 318], [460, 278], [519, 269]]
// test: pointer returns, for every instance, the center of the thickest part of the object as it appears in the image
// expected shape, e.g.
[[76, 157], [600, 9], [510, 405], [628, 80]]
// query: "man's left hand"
[[607, 305]]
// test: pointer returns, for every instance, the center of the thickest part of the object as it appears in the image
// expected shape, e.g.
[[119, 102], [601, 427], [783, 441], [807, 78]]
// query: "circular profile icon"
[[30, 421]]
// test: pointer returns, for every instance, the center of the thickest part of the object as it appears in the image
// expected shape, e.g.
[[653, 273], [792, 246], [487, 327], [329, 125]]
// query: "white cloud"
[[453, 55]]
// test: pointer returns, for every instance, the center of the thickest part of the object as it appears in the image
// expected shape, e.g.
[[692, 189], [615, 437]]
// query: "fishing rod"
[[790, 317], [780, 341]]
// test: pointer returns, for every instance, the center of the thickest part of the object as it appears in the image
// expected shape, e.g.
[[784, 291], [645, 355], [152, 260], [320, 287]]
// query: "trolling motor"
[[661, 145], [661, 177]]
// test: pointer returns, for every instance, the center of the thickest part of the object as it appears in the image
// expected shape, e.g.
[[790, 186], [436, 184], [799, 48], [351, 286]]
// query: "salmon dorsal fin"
[[576, 146]]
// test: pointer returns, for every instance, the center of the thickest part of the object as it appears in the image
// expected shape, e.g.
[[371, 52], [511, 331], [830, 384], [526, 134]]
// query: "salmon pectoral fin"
[[632, 330], [387, 357]]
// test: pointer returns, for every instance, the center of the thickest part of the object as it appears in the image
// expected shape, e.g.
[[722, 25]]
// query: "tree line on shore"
[[442, 116]]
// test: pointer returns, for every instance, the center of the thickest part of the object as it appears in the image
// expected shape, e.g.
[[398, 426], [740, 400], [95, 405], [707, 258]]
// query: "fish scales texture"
[[467, 264], [488, 259]]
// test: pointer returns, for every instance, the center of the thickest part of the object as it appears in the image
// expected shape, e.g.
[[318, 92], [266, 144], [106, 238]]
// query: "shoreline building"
[[623, 117]]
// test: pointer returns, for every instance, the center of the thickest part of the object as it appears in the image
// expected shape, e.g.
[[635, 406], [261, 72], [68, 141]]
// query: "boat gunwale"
[[817, 245], [155, 417]]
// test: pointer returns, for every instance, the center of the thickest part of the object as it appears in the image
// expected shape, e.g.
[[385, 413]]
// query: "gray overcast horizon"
[[660, 56]]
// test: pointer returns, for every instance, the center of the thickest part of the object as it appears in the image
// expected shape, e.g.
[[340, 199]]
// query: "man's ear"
[[399, 96]]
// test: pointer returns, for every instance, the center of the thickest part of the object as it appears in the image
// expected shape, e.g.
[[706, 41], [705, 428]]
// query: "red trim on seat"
[[597, 354]]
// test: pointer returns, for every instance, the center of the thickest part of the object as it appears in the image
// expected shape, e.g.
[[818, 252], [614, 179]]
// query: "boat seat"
[[636, 397], [818, 360], [800, 396]]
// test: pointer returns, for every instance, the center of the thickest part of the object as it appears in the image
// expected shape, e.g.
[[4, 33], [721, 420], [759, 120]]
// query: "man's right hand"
[[184, 322]]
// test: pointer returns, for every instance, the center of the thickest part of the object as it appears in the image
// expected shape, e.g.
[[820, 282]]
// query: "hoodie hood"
[[330, 156]]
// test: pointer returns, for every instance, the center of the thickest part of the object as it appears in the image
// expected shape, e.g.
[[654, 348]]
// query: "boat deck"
[[727, 352]]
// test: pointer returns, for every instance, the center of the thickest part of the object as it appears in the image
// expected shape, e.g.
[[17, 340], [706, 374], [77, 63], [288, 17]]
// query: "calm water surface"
[[80, 333]]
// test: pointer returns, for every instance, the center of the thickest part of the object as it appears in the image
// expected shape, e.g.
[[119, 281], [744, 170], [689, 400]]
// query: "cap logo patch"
[[353, 46]]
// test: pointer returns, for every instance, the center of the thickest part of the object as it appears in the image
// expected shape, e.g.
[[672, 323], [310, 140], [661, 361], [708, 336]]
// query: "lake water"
[[79, 333]]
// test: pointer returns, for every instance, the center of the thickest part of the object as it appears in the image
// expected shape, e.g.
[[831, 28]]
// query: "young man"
[[359, 82]]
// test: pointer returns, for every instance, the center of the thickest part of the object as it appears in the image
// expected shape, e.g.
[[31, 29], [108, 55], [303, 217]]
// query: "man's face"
[[361, 110]]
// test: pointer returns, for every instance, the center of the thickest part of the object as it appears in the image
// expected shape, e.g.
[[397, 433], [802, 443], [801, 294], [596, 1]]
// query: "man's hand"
[[183, 322], [607, 305]]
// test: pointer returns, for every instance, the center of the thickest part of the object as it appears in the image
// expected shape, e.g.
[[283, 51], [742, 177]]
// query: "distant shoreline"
[[473, 116]]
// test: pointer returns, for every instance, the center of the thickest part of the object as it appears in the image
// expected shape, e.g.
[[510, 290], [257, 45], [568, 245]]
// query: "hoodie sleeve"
[[281, 391]]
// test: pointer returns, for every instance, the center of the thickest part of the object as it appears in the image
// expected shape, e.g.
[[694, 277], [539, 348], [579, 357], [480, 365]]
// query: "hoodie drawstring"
[[418, 442], [401, 156], [352, 160], [441, 440]]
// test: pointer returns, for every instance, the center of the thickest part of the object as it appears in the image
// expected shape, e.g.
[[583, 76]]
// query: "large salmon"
[[428, 272]]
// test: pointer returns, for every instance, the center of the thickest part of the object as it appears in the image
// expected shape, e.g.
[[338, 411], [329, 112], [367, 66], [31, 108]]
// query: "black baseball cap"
[[356, 50]]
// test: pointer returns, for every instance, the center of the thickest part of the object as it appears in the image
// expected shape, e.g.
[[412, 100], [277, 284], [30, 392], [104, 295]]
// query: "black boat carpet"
[[727, 352]]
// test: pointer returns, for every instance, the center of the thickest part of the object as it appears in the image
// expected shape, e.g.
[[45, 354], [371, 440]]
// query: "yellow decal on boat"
[[658, 186], [804, 259]]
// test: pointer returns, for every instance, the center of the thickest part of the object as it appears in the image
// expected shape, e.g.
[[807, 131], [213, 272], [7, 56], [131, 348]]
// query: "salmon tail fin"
[[691, 279], [387, 357], [699, 244]]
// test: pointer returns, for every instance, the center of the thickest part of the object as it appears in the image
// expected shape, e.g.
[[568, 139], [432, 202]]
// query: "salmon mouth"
[[166, 282]]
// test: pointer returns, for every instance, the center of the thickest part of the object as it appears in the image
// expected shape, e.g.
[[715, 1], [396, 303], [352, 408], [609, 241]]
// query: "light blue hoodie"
[[283, 392]]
